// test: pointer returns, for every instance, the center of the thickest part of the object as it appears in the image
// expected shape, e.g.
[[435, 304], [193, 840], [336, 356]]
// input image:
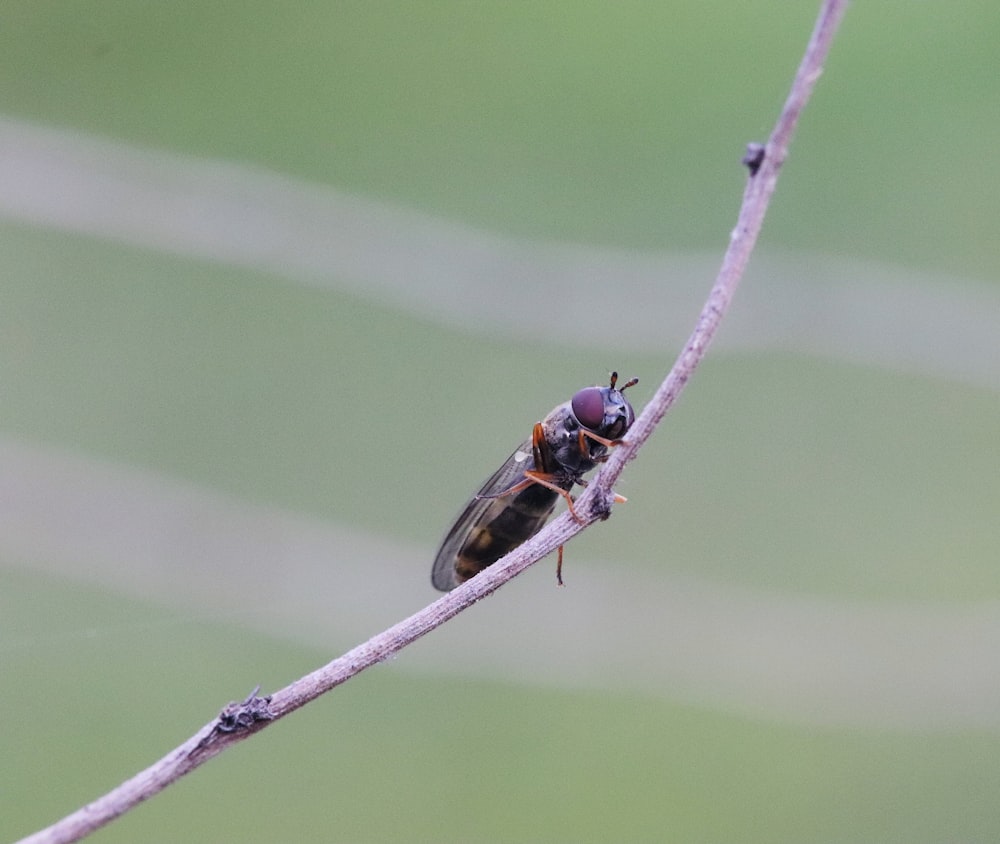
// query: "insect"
[[513, 505]]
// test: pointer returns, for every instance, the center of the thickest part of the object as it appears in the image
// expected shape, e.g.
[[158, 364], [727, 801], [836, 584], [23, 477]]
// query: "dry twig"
[[239, 721]]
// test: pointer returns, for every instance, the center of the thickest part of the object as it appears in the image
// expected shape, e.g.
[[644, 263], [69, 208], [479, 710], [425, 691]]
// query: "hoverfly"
[[513, 505]]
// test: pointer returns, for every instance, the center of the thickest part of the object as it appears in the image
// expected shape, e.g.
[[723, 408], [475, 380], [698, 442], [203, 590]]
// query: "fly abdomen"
[[507, 523]]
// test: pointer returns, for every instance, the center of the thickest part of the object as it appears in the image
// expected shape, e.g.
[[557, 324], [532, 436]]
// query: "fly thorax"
[[566, 447]]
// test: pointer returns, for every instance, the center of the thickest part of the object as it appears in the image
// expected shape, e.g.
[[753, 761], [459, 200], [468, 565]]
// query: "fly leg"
[[550, 482], [619, 499], [544, 459], [584, 433]]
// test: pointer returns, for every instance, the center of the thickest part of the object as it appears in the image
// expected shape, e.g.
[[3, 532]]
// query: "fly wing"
[[444, 575]]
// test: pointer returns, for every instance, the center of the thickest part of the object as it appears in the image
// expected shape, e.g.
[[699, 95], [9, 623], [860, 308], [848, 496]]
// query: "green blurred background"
[[283, 283]]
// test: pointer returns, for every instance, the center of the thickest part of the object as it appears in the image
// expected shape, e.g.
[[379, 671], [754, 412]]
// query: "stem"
[[239, 721]]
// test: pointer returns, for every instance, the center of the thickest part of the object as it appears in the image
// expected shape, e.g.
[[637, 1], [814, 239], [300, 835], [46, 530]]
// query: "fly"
[[515, 503]]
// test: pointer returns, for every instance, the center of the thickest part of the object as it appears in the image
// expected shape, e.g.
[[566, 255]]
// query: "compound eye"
[[588, 407]]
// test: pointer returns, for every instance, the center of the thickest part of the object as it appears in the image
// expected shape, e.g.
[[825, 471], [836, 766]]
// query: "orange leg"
[[543, 479], [596, 438]]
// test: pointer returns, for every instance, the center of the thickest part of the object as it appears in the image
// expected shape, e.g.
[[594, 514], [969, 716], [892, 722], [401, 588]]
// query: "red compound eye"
[[588, 407]]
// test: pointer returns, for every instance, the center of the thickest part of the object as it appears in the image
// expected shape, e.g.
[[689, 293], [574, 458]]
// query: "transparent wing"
[[443, 575]]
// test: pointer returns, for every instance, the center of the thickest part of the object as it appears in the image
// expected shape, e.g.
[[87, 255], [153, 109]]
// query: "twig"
[[238, 721]]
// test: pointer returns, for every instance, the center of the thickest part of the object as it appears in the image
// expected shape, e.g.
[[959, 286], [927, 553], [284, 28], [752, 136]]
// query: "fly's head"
[[601, 411], [604, 411]]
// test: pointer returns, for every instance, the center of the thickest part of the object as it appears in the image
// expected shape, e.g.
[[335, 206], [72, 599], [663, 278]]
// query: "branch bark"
[[239, 721]]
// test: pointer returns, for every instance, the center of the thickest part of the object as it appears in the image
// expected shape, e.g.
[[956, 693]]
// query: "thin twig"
[[241, 720]]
